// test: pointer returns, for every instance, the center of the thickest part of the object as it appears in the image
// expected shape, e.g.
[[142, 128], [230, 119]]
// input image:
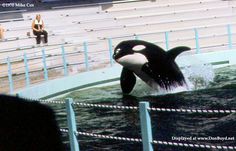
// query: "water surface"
[[208, 89]]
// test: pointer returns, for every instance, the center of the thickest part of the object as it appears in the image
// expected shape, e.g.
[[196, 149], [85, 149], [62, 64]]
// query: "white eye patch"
[[138, 48]]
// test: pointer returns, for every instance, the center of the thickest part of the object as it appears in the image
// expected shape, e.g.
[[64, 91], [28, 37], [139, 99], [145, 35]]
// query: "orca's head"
[[129, 47], [122, 49], [130, 53]]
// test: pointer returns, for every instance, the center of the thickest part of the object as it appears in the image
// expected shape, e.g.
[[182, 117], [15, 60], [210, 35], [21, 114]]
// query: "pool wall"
[[66, 84]]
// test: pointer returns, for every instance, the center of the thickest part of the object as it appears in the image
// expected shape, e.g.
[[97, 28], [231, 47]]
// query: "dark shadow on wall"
[[39, 5], [6, 16], [45, 4], [106, 6], [48, 4]]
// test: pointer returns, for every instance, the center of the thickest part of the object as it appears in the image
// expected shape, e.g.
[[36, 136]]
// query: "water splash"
[[142, 89], [199, 76], [196, 76]]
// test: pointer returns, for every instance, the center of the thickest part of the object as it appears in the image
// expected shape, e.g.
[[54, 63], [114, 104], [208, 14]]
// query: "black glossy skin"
[[126, 47], [161, 65]]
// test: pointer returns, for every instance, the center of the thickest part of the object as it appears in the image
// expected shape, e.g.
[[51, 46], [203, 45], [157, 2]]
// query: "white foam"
[[197, 77]]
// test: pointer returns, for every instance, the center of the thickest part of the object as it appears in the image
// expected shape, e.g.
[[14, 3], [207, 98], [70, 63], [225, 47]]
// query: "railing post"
[[11, 85], [86, 55], [44, 65], [27, 79], [146, 127], [229, 36], [167, 40], [110, 51], [64, 60], [74, 146], [197, 40]]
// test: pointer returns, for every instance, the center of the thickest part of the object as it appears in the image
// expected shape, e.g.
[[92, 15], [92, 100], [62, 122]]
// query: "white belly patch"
[[133, 62]]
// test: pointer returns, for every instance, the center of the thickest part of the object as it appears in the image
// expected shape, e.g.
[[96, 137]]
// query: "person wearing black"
[[38, 29]]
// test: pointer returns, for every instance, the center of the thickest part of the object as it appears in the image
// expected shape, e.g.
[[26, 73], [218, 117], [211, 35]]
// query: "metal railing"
[[30, 64], [144, 110]]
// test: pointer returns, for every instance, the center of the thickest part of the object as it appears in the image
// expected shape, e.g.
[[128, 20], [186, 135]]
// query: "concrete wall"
[[59, 86]]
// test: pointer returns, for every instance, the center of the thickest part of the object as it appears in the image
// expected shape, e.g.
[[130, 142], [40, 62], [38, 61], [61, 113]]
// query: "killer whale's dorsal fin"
[[174, 52], [127, 80]]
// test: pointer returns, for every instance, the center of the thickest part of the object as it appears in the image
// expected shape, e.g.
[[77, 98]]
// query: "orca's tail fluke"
[[174, 52]]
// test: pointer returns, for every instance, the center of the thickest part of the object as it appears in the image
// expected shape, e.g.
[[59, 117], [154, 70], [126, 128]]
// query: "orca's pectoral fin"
[[127, 80], [173, 53]]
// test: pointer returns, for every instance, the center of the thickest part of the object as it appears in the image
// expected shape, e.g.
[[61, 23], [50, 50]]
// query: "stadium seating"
[[149, 20]]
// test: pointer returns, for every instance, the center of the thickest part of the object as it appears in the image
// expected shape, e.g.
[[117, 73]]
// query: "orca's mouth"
[[115, 57], [118, 60]]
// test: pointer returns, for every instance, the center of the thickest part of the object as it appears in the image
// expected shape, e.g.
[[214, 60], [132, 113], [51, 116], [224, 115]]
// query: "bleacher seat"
[[120, 21]]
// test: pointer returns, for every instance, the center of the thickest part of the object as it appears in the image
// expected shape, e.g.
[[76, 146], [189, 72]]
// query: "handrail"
[[89, 59], [203, 37], [145, 122]]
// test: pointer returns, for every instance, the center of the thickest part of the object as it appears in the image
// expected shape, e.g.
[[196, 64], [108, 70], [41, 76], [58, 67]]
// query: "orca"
[[155, 66]]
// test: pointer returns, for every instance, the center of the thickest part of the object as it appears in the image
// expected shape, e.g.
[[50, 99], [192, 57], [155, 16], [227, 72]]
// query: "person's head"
[[31, 124], [38, 16]]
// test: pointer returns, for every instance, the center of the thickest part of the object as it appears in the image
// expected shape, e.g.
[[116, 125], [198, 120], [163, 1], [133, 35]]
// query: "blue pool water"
[[208, 89]]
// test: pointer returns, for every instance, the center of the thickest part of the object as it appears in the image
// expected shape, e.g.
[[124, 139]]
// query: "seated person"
[[38, 29], [1, 32]]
